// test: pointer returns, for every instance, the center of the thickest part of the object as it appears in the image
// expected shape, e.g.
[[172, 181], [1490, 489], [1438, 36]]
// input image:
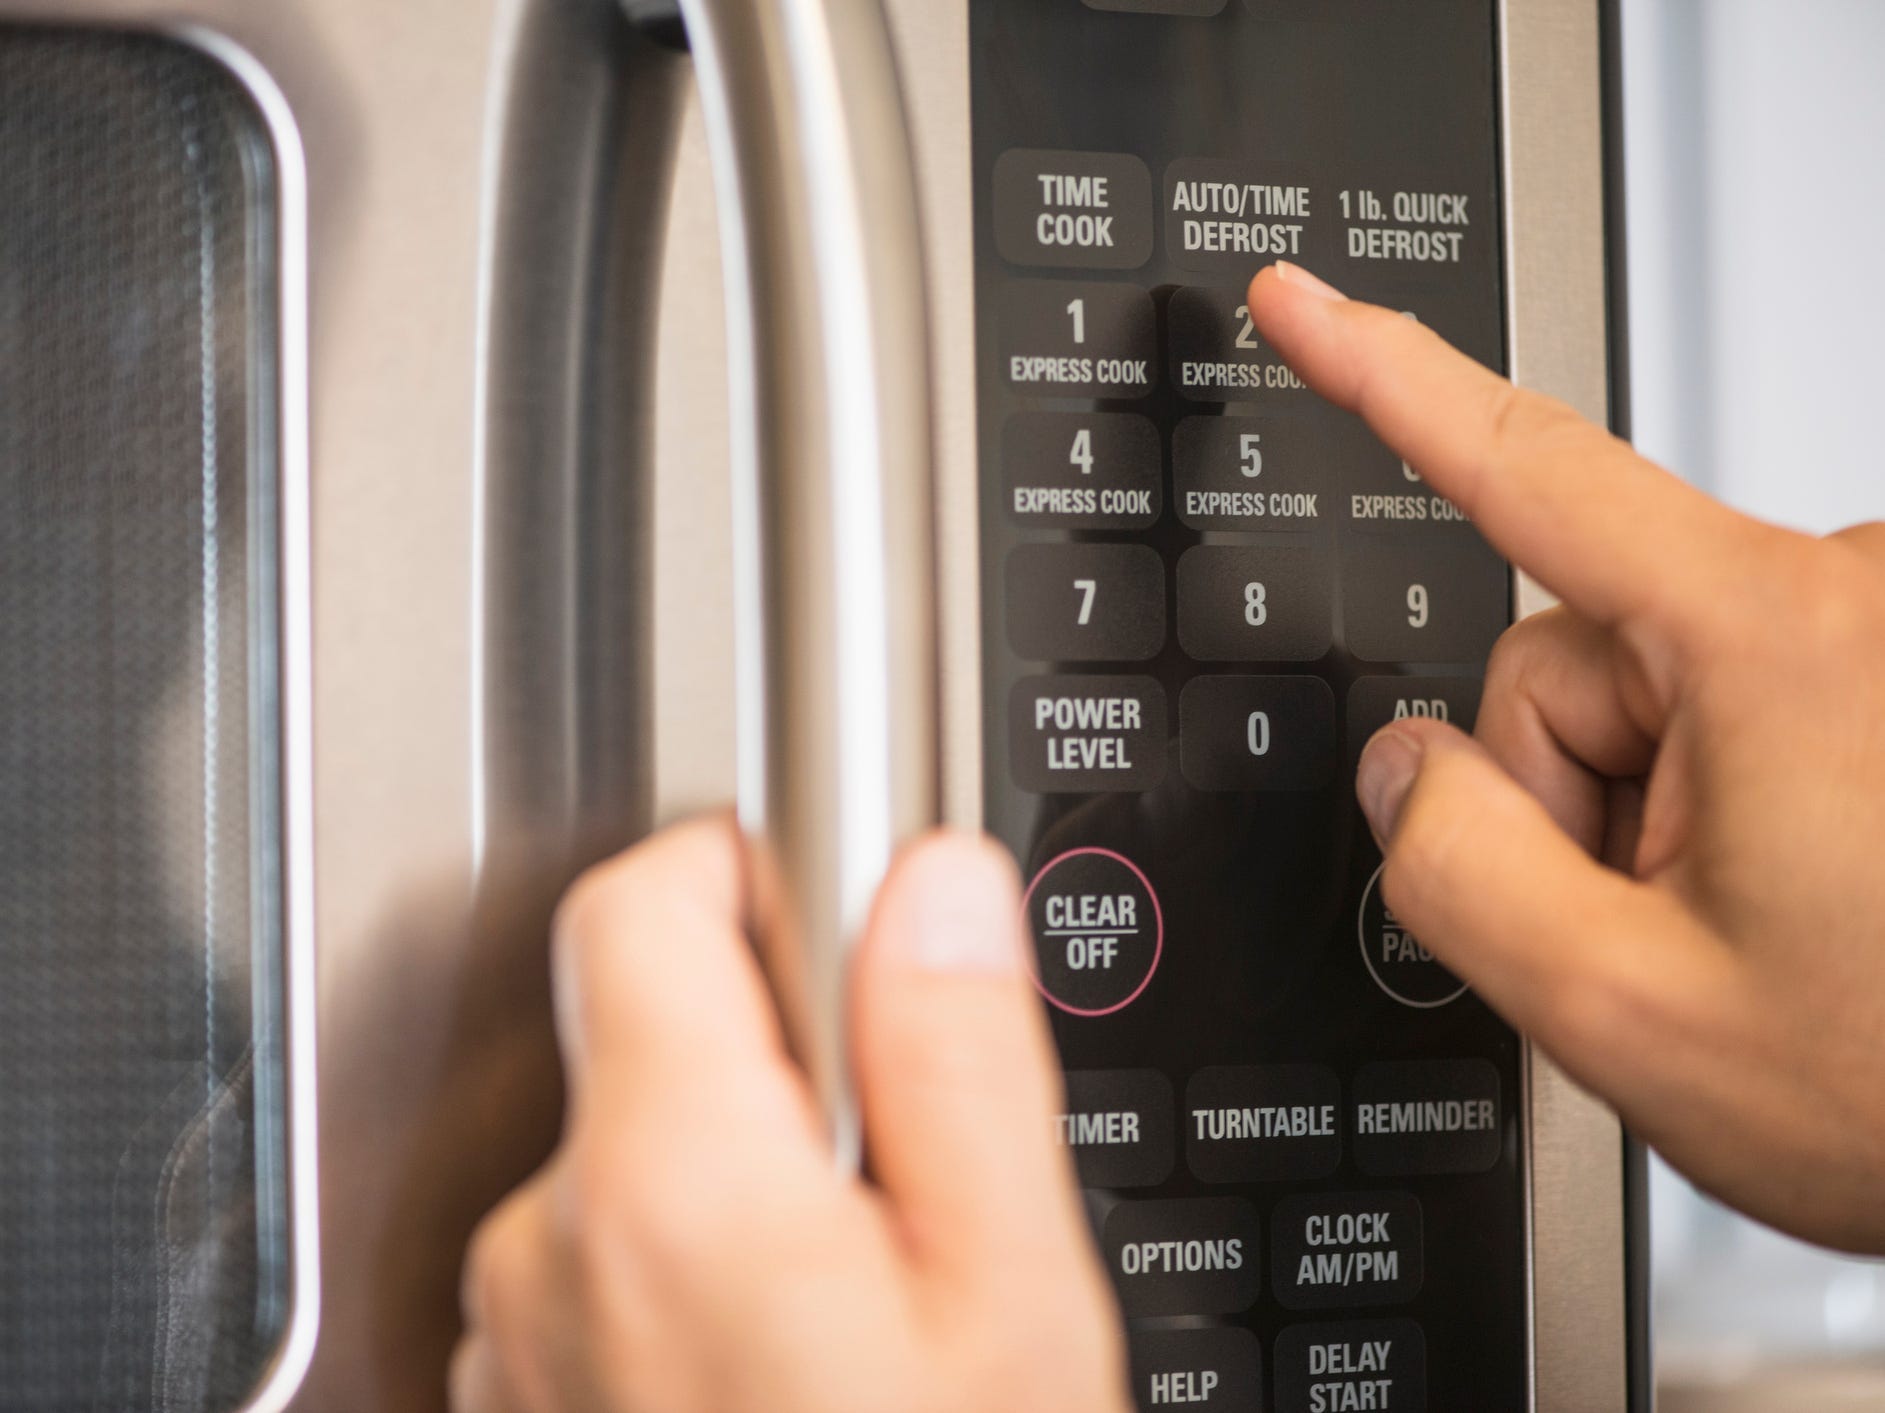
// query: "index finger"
[[1607, 531]]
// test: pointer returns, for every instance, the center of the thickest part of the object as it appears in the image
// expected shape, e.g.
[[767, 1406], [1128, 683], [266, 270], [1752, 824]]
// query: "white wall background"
[[1755, 134]]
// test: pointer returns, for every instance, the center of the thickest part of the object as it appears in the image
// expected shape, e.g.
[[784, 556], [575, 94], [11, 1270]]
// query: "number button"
[[1257, 733], [1246, 473], [1426, 602], [1082, 470], [1218, 356], [1065, 339], [1253, 605], [1086, 603]]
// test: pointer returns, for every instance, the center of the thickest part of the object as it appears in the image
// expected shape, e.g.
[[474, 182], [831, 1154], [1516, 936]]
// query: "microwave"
[[443, 439]]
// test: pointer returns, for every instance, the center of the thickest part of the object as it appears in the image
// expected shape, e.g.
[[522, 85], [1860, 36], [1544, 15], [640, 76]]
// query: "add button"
[[1098, 931]]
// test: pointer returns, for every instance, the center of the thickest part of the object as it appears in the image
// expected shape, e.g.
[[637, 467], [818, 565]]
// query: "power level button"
[[1098, 931]]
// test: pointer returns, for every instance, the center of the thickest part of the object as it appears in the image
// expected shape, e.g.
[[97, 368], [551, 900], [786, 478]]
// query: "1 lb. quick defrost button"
[[1078, 210], [1098, 931], [1196, 1256]]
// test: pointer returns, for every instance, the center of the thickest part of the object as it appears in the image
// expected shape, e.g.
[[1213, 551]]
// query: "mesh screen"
[[140, 1258]]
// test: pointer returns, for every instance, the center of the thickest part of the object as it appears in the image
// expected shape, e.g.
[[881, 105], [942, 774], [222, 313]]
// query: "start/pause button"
[[1098, 931]]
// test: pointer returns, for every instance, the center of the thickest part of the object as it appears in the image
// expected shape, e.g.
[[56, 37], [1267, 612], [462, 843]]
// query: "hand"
[[693, 1248], [1663, 857]]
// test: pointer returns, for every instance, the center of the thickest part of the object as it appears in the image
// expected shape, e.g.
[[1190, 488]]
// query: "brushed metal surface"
[[833, 547], [1558, 312], [479, 732]]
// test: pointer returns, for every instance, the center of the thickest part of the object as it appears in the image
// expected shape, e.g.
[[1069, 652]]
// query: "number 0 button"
[[1257, 733], [1086, 603]]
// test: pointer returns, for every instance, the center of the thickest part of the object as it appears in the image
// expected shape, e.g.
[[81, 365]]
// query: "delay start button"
[[1097, 931]]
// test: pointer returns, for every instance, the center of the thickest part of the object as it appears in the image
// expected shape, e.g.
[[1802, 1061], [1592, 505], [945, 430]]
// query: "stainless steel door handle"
[[835, 583]]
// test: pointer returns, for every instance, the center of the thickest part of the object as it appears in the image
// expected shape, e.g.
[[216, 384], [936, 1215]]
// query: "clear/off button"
[[1078, 210], [1097, 931]]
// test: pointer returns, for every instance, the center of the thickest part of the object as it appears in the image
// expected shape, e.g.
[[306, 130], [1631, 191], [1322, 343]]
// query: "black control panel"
[[1203, 590]]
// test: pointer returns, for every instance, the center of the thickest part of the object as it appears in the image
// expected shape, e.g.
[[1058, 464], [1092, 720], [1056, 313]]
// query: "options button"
[[1098, 932], [1194, 1256], [1398, 963]]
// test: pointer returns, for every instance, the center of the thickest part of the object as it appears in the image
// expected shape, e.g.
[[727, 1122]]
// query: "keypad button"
[[1248, 473], [1379, 1365], [1120, 1126], [1194, 1256], [1257, 733], [1078, 210], [1214, 1370], [1419, 229], [1374, 702], [1098, 931], [1062, 339], [1078, 735], [1082, 470], [1230, 217], [1086, 603], [1254, 604], [1332, 1250], [1395, 959], [1417, 1118], [1263, 1123], [1424, 602], [1217, 355], [1159, 7], [1380, 493]]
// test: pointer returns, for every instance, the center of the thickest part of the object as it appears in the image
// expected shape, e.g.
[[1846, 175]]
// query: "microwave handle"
[[835, 591]]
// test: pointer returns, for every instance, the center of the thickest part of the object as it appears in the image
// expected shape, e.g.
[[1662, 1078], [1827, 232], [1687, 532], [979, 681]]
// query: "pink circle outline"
[[1158, 943]]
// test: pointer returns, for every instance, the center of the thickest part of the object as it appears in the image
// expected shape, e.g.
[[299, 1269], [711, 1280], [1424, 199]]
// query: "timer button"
[[1098, 931]]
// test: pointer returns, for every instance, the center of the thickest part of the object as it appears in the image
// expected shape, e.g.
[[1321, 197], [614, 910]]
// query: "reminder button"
[[1075, 210]]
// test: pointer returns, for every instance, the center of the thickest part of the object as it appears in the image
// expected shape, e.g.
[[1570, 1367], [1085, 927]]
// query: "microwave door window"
[[142, 1153]]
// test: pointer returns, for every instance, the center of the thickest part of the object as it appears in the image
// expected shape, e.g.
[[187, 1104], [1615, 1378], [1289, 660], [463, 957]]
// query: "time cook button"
[[1080, 210], [1098, 931]]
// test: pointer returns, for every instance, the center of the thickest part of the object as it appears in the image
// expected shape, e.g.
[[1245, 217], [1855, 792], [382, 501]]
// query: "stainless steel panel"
[[1559, 337], [477, 173]]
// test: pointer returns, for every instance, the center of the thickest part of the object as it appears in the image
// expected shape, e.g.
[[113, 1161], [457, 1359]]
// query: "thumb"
[[955, 1066], [1582, 958]]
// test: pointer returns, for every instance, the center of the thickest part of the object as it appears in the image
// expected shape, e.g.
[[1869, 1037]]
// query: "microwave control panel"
[[1203, 590]]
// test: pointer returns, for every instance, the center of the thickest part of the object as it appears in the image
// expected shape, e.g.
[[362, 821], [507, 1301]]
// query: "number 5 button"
[[1257, 733]]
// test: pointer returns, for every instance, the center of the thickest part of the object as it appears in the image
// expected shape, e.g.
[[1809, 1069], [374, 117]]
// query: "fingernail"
[[962, 906], [1388, 767], [1303, 280]]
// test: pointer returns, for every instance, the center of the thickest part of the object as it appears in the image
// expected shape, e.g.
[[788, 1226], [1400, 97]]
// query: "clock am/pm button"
[[1098, 931]]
